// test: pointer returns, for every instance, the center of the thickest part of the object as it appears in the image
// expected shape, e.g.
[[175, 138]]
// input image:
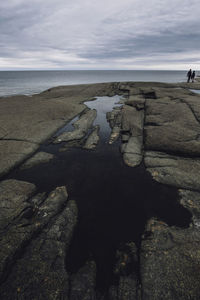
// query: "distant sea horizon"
[[28, 82]]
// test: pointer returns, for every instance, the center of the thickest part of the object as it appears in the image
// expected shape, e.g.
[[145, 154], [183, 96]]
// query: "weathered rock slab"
[[81, 127], [41, 273], [132, 126], [170, 260], [83, 283], [38, 158], [93, 139], [173, 170], [171, 126], [13, 153], [20, 225]]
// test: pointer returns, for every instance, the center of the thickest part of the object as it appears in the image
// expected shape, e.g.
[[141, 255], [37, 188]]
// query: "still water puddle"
[[102, 106], [195, 91], [114, 201]]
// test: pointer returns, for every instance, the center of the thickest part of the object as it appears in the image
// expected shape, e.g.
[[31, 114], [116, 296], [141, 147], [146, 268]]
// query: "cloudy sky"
[[99, 34]]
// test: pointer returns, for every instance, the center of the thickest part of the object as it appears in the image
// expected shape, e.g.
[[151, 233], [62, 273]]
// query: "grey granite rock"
[[40, 273], [126, 269], [83, 283], [173, 170], [23, 218], [13, 153], [169, 262], [38, 158], [132, 126], [114, 119], [81, 127], [133, 151], [190, 200], [26, 122], [92, 139], [171, 126]]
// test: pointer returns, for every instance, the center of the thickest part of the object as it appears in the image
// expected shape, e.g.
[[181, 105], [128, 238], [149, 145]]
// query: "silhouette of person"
[[189, 74], [193, 76]]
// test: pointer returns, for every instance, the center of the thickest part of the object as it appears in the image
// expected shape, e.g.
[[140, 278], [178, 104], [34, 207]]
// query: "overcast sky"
[[99, 34]]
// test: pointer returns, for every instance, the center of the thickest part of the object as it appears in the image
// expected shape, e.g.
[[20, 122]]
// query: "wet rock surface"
[[38, 158], [122, 233], [93, 139], [169, 262], [81, 127]]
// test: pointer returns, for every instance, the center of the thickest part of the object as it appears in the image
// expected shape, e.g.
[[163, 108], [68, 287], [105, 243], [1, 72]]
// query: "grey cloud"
[[47, 32]]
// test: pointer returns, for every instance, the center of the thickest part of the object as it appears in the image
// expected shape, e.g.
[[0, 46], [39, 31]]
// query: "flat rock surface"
[[81, 127], [159, 126], [132, 125], [92, 139], [38, 117], [173, 170], [38, 158], [171, 126], [170, 260]]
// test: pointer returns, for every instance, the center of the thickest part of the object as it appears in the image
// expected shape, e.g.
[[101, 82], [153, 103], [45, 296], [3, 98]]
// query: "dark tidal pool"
[[114, 201]]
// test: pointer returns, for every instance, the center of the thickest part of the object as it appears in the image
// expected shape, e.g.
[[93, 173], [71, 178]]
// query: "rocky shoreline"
[[159, 126]]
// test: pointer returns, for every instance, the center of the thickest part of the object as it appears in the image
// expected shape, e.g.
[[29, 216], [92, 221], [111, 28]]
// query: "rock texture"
[[114, 118], [181, 172], [170, 261], [132, 130], [81, 127], [93, 139], [159, 126], [35, 234], [38, 158], [172, 126], [39, 117], [83, 282]]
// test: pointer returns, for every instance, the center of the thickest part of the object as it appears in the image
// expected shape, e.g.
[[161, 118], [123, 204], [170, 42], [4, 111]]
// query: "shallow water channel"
[[114, 200]]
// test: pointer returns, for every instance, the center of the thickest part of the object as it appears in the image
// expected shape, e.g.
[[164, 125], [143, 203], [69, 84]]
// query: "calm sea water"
[[31, 82]]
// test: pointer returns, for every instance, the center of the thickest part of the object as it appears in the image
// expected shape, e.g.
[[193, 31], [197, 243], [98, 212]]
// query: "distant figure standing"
[[189, 74], [193, 76]]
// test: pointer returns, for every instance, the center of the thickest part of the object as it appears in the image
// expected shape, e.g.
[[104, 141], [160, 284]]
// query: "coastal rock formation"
[[81, 127], [170, 261], [181, 172], [114, 119], [126, 269], [35, 235], [83, 282], [39, 117], [13, 153], [132, 130], [93, 139], [159, 126], [38, 158], [41, 273], [172, 126]]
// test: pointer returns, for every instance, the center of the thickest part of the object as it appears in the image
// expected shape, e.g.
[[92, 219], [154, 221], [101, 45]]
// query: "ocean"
[[33, 82]]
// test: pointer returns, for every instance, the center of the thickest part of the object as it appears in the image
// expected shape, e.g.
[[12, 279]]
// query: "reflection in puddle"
[[103, 105], [195, 91]]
